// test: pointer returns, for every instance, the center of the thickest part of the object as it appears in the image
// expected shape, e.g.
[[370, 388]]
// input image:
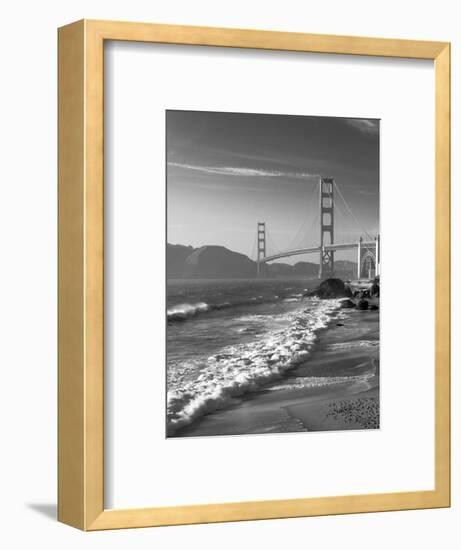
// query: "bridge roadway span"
[[339, 246]]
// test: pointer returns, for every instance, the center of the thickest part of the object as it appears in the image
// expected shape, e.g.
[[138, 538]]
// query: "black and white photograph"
[[273, 273], [223, 222]]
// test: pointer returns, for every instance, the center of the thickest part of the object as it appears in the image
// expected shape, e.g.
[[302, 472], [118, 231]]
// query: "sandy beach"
[[336, 388]]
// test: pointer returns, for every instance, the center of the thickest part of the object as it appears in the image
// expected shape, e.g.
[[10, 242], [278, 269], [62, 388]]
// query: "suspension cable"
[[300, 234], [271, 241], [351, 213], [253, 250]]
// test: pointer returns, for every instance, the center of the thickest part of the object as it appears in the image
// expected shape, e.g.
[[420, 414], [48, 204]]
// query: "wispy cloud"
[[365, 126], [238, 171]]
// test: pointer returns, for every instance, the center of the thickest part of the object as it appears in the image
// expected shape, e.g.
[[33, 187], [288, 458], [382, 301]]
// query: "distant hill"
[[306, 269], [300, 269], [176, 256], [218, 262]]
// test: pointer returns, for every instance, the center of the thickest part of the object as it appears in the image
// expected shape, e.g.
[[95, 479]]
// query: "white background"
[[28, 275], [144, 469]]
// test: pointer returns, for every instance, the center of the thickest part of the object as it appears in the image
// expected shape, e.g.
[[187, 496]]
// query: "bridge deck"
[[298, 252]]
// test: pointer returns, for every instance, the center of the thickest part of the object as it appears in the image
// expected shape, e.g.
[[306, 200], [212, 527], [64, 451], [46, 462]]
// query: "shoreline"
[[336, 388]]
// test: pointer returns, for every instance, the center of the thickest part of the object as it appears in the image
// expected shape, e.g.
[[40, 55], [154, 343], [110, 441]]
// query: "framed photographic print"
[[254, 301], [238, 324]]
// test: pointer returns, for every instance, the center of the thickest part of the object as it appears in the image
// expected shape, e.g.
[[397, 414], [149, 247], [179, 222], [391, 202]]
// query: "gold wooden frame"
[[81, 263]]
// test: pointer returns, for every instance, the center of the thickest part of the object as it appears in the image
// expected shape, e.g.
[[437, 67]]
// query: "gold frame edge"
[[81, 269]]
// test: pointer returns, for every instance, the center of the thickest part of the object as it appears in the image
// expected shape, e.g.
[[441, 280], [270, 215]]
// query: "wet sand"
[[337, 388]]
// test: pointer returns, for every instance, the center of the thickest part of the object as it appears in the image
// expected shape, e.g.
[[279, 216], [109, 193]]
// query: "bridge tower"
[[326, 200], [261, 247]]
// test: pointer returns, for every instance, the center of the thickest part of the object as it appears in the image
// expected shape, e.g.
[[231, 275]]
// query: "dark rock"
[[333, 288], [362, 304], [347, 304], [373, 307], [374, 290]]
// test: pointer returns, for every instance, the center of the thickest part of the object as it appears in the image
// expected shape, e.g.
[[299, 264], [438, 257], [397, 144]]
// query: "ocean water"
[[228, 338]]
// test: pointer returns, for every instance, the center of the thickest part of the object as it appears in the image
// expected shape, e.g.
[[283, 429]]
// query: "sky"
[[227, 171]]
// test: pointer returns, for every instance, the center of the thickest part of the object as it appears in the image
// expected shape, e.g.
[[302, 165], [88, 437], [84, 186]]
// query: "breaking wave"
[[242, 368], [181, 312]]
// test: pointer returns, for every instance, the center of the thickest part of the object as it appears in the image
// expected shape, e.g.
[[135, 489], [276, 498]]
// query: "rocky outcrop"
[[374, 290], [331, 288], [361, 300], [347, 304]]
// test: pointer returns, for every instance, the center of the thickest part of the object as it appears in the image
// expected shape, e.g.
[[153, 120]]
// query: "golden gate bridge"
[[366, 246]]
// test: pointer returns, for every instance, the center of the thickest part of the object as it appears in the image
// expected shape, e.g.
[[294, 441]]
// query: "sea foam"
[[183, 311], [319, 382], [243, 368], [354, 344]]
